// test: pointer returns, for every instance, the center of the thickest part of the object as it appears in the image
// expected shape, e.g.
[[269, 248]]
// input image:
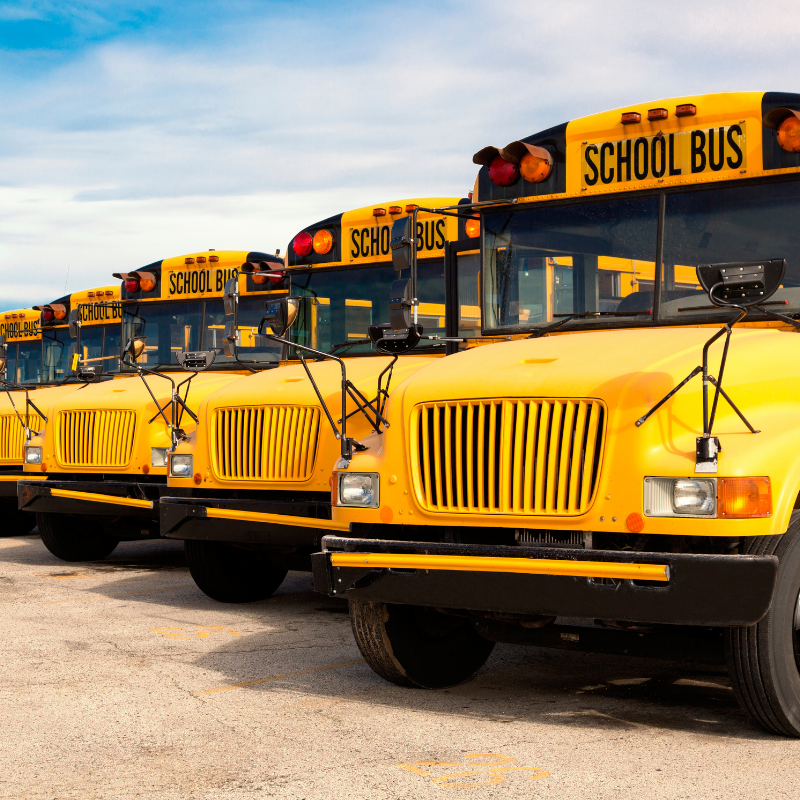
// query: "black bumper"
[[8, 484], [38, 496], [709, 590], [186, 518]]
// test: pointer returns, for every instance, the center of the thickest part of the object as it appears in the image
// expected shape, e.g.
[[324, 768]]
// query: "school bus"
[[36, 370], [103, 450], [255, 474], [625, 478]]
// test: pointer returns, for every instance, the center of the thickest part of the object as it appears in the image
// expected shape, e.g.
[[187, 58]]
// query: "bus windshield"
[[26, 366], [544, 263], [170, 328], [100, 345], [340, 305], [735, 223], [56, 348]]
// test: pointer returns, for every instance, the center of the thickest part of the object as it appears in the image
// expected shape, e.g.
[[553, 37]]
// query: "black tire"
[[64, 537], [16, 522], [764, 659], [232, 574], [416, 646]]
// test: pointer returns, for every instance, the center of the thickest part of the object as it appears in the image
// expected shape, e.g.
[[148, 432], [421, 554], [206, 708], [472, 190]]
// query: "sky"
[[135, 131]]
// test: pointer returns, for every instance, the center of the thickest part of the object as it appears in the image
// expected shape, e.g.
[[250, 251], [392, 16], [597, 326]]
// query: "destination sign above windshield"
[[664, 156]]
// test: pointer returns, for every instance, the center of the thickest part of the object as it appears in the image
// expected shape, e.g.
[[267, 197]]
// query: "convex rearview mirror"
[[281, 313], [230, 296], [135, 347], [741, 283]]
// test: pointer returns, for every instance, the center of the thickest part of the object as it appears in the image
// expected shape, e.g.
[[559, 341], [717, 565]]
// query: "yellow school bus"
[[37, 371], [104, 448], [625, 477], [255, 475]]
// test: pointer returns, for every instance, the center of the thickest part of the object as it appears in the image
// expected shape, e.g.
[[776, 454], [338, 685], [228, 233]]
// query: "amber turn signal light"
[[473, 227], [744, 498], [535, 169], [789, 134], [629, 117], [323, 242]]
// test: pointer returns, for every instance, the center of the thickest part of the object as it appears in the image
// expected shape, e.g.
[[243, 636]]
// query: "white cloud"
[[148, 146]]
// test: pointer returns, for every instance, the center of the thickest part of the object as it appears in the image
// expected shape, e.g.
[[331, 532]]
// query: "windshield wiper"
[[565, 318]]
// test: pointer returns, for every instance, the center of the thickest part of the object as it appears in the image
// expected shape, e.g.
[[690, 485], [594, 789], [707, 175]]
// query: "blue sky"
[[135, 131]]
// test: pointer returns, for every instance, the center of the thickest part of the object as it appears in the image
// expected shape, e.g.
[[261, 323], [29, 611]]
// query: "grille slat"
[[539, 456], [95, 438], [265, 443], [12, 436]]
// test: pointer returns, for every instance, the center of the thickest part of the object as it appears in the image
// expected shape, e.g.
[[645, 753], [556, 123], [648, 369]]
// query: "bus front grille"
[[265, 443], [12, 435], [531, 456], [95, 438]]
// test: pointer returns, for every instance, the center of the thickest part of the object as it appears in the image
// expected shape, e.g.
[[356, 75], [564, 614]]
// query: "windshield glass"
[[737, 223], [251, 311], [100, 345], [341, 304], [27, 367], [173, 327], [541, 264], [57, 346]]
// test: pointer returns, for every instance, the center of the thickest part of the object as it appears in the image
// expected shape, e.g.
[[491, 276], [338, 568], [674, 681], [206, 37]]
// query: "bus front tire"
[[764, 659], [63, 536], [232, 574], [416, 646]]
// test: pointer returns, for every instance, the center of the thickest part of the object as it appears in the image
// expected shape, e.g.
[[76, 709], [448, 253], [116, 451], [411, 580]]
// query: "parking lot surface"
[[122, 680]]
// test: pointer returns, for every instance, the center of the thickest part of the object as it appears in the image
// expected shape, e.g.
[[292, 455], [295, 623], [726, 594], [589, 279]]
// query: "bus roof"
[[362, 236], [683, 140]]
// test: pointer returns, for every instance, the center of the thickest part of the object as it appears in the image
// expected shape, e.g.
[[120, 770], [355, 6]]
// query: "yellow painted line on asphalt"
[[279, 677], [118, 594], [53, 576], [529, 566]]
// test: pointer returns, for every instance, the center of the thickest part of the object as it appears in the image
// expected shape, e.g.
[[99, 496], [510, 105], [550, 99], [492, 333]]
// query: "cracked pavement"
[[122, 680]]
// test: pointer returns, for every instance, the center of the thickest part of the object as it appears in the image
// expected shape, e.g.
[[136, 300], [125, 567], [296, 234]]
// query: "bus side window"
[[469, 301]]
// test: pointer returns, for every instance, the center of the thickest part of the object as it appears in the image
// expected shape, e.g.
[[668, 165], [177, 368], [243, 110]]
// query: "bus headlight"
[[33, 455], [359, 489], [158, 456], [180, 466], [680, 497]]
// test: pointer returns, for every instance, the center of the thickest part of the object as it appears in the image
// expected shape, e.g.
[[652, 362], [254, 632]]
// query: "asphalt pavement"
[[120, 679]]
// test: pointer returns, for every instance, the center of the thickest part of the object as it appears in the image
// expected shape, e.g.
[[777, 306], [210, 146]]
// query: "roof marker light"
[[631, 117], [411, 207], [201, 259], [395, 210], [685, 110], [188, 261], [213, 258], [657, 113], [378, 212], [91, 294]]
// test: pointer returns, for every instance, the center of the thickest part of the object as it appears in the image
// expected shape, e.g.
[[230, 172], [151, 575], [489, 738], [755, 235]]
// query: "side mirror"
[[229, 340], [401, 244], [74, 323], [230, 297], [741, 283], [135, 347], [281, 313], [196, 361]]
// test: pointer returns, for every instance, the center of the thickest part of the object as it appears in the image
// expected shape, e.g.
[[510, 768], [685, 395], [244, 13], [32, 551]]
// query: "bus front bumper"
[[105, 498], [670, 588], [290, 524], [9, 478]]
